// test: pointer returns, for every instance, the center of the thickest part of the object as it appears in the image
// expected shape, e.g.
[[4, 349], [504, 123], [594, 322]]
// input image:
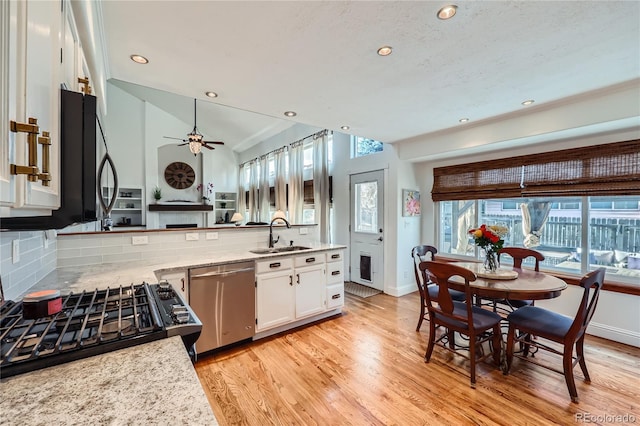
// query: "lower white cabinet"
[[275, 298], [292, 288], [310, 289]]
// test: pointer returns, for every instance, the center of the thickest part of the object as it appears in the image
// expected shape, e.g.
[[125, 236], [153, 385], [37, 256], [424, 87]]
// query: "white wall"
[[135, 136]]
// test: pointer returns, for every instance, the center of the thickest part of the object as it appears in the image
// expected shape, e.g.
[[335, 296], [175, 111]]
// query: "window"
[[364, 146], [579, 207], [613, 235]]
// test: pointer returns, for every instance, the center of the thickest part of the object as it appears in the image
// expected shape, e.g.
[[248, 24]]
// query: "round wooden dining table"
[[528, 285]]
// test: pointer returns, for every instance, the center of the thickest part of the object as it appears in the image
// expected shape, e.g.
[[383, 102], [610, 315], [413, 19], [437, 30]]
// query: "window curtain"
[[253, 192], [296, 182], [321, 199], [242, 190], [263, 204], [534, 217], [607, 169], [280, 189]]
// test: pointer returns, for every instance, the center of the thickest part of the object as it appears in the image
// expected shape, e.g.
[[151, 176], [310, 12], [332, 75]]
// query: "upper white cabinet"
[[39, 53]]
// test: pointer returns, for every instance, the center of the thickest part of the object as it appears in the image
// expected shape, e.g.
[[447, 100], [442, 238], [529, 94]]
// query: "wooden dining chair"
[[479, 325], [569, 332], [518, 254], [419, 254]]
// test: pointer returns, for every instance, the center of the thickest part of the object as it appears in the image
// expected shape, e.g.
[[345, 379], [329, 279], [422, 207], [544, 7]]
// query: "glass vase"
[[490, 260]]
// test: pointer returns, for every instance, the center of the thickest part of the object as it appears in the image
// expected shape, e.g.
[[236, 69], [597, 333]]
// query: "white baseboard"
[[616, 334], [401, 291]]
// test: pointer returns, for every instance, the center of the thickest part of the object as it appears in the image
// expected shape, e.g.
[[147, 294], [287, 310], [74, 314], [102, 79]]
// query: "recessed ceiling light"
[[211, 94], [139, 59], [447, 12], [345, 127], [528, 102], [463, 120], [385, 51], [290, 114]]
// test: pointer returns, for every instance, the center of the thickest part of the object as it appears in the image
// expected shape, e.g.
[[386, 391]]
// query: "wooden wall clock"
[[179, 175]]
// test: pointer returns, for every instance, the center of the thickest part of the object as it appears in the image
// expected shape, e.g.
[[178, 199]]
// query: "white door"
[[366, 229]]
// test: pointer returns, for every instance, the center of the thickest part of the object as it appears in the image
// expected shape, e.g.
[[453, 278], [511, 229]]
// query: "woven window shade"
[[609, 169]]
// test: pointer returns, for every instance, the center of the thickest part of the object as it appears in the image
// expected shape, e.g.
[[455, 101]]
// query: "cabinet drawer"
[[334, 256], [335, 296], [334, 273], [272, 265], [308, 259]]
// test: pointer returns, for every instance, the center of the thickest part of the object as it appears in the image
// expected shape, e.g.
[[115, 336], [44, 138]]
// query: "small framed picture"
[[410, 202]]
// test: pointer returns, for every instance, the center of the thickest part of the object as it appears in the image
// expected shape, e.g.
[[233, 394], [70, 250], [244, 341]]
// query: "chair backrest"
[[441, 273], [418, 254], [591, 281], [519, 254]]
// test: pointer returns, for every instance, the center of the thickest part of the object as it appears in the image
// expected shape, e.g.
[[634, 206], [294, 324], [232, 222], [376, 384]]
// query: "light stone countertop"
[[152, 383], [90, 277], [149, 384]]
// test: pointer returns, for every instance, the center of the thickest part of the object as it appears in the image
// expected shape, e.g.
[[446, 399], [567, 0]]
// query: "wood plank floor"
[[366, 367]]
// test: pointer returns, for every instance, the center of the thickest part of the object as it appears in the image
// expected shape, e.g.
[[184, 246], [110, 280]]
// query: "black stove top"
[[92, 323]]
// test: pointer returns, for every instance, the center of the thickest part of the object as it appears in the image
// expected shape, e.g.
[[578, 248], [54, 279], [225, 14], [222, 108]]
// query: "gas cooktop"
[[92, 323]]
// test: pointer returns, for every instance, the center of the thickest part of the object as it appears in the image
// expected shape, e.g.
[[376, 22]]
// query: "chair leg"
[[580, 354], [421, 316], [567, 363], [432, 340], [510, 340], [451, 335], [472, 358], [497, 344], [527, 339]]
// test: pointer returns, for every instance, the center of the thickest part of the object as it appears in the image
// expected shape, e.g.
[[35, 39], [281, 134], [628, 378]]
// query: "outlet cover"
[[15, 251], [140, 240], [304, 231], [194, 236], [212, 235]]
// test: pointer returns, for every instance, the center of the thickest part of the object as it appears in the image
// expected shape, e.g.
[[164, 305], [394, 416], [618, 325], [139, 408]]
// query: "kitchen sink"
[[278, 249]]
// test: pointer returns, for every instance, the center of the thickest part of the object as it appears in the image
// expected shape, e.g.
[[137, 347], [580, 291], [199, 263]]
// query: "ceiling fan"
[[194, 138]]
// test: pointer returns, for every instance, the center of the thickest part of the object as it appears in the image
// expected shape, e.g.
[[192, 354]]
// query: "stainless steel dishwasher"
[[224, 298]]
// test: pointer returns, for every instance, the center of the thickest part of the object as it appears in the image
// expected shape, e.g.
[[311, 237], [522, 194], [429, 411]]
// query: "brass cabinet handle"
[[45, 141], [33, 173]]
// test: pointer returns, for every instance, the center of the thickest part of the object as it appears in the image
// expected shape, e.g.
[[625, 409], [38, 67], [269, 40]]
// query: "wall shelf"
[[180, 208], [128, 209]]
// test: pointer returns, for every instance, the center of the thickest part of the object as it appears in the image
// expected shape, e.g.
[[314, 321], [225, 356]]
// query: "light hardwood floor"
[[366, 367]]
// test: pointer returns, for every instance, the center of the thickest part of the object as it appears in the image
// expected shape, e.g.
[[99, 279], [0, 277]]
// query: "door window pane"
[[366, 202]]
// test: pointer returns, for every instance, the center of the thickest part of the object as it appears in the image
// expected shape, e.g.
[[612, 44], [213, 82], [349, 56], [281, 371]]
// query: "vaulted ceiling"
[[318, 58]]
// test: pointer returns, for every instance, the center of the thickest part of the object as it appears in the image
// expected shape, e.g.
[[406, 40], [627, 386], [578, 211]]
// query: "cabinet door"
[[275, 299], [34, 70], [310, 290]]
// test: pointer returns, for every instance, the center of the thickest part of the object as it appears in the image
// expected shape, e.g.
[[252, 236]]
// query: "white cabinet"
[[30, 89], [335, 279], [225, 206], [309, 284], [275, 294], [292, 289], [128, 209]]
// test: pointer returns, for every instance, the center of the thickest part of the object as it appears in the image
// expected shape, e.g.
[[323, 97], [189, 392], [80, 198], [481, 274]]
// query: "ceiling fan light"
[[195, 147]]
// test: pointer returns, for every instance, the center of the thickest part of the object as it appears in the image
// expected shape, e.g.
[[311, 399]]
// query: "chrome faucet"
[[271, 241]]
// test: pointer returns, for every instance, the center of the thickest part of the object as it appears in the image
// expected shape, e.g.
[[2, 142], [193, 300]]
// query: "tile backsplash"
[[26, 258], [41, 252]]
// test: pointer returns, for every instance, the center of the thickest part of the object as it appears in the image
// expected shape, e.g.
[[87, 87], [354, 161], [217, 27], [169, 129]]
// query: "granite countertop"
[[149, 384], [90, 277]]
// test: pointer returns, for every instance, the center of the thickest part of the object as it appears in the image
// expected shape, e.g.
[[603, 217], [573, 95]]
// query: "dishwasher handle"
[[222, 274]]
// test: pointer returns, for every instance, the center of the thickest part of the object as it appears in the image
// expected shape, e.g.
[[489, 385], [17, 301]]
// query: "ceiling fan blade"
[[169, 137], [214, 142], [207, 146], [182, 144]]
